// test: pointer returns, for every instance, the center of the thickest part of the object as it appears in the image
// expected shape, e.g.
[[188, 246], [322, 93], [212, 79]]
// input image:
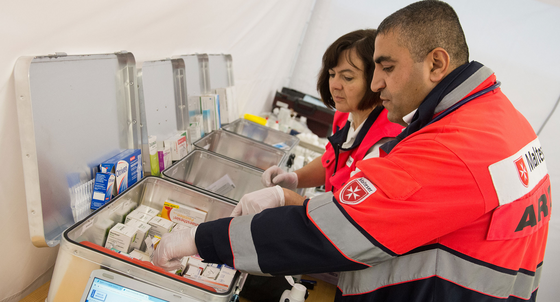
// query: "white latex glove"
[[256, 202], [276, 176], [173, 247]]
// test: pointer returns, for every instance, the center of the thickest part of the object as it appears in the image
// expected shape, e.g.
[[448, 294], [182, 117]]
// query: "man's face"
[[403, 83]]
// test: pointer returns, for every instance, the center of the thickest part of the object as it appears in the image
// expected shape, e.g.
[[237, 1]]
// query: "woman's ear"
[[440, 63]]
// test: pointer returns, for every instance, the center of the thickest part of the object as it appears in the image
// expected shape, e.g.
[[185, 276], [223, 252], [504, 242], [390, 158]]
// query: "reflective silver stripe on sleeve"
[[464, 89], [442, 264], [349, 240], [244, 252], [397, 270], [484, 279]]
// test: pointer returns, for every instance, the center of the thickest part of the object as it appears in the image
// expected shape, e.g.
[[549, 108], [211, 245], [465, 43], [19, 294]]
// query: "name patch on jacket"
[[523, 188], [356, 191], [519, 174]]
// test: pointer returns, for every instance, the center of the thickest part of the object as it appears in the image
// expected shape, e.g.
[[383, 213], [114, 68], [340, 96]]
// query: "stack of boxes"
[[136, 233]]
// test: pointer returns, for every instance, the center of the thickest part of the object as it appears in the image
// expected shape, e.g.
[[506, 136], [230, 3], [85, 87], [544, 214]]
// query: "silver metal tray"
[[201, 169], [242, 149], [262, 134]]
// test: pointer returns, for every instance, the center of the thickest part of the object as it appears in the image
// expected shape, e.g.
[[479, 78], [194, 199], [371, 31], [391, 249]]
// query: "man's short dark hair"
[[426, 25], [363, 41]]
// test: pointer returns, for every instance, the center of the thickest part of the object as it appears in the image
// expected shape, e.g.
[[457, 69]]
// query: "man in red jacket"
[[456, 210]]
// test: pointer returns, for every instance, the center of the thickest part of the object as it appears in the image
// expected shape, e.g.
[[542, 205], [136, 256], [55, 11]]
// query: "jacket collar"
[[339, 137], [452, 89]]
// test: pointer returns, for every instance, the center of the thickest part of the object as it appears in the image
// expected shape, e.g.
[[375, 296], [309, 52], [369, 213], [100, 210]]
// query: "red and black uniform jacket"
[[340, 162], [458, 210]]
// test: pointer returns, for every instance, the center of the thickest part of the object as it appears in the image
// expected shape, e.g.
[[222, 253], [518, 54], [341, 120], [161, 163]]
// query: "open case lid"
[[220, 71], [163, 100], [196, 73], [74, 112]]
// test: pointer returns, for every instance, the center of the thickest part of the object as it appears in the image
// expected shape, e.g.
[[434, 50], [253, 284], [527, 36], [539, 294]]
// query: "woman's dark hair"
[[363, 42]]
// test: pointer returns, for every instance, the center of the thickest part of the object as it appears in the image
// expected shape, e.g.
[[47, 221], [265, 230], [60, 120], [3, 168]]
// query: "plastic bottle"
[[303, 121], [273, 117], [297, 294], [276, 126], [284, 118]]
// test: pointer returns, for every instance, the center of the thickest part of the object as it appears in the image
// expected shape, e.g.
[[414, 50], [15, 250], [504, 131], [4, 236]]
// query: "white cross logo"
[[353, 192], [523, 172]]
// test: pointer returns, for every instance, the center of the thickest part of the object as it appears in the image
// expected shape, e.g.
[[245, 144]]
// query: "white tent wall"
[[517, 39], [261, 36]]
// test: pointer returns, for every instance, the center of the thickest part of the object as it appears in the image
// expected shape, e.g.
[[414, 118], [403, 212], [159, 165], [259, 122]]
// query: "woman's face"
[[347, 83]]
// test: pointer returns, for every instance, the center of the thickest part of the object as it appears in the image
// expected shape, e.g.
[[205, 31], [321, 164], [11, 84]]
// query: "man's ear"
[[440, 64]]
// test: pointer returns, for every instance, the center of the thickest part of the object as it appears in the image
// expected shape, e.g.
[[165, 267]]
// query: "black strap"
[[339, 137]]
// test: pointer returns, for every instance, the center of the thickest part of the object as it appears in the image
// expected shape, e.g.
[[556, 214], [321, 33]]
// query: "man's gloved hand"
[[257, 201], [276, 176], [173, 247]]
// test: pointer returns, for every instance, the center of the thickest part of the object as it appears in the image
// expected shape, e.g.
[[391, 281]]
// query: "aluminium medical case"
[[262, 134], [78, 256], [242, 149], [202, 169]]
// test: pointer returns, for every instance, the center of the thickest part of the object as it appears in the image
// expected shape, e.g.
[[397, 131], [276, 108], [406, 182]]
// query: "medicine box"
[[154, 158], [138, 215], [182, 214], [195, 266], [155, 241], [138, 254], [164, 156], [226, 275], [210, 105], [151, 245], [160, 226], [179, 227], [211, 271], [147, 210], [142, 230], [178, 145], [181, 270], [120, 238], [102, 189], [99, 231], [127, 167], [119, 213]]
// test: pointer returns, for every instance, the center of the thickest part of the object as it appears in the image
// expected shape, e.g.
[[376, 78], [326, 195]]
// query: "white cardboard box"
[[142, 230], [140, 216], [160, 226], [121, 237], [148, 210], [182, 214]]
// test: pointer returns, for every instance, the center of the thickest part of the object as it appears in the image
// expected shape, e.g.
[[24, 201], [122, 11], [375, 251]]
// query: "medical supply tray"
[[242, 149], [78, 256], [262, 134], [202, 169]]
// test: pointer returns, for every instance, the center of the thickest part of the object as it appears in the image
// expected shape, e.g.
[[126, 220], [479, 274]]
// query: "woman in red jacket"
[[360, 126]]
